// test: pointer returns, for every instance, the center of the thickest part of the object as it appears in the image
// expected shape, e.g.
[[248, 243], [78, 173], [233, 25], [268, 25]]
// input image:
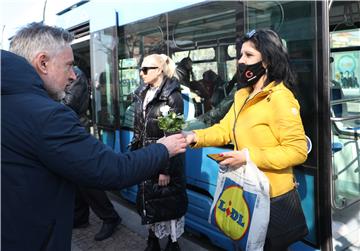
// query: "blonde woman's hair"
[[167, 64]]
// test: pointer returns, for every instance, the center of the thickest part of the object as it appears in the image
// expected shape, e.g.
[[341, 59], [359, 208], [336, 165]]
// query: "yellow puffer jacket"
[[270, 126]]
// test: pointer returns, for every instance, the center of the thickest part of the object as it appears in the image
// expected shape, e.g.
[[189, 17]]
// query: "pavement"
[[130, 234]]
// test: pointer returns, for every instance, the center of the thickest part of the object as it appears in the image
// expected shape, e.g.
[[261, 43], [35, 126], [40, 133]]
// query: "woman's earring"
[[266, 71]]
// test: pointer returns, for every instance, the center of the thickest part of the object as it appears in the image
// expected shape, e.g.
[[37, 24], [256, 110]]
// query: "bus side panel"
[[202, 171], [301, 246], [110, 139], [306, 190], [125, 139]]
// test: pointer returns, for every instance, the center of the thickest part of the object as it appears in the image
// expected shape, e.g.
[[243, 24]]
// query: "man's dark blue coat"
[[44, 152]]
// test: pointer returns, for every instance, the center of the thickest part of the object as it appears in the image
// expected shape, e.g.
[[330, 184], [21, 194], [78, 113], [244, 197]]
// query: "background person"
[[265, 119], [77, 96], [44, 149], [162, 199], [185, 72]]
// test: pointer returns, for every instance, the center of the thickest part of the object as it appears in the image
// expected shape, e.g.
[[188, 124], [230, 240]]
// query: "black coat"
[[44, 152], [156, 203], [77, 96]]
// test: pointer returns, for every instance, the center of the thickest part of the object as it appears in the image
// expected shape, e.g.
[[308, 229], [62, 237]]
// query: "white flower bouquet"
[[169, 121]]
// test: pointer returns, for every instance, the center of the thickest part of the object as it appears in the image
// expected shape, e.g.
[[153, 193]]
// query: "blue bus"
[[323, 40]]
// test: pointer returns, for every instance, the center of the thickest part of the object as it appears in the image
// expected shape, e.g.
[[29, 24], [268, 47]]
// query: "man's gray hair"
[[37, 37]]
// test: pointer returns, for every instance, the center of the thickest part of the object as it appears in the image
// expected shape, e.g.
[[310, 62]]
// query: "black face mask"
[[248, 75]]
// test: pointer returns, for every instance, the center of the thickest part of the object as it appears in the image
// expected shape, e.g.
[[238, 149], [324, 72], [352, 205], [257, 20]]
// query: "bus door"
[[104, 76], [345, 119], [95, 52]]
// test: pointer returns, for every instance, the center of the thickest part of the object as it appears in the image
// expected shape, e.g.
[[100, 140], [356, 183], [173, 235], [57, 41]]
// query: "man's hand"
[[175, 144]]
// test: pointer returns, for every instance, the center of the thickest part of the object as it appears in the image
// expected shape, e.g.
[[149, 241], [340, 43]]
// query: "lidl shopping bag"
[[241, 206]]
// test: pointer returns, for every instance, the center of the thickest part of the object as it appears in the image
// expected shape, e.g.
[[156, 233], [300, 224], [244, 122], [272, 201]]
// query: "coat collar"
[[12, 82], [242, 95]]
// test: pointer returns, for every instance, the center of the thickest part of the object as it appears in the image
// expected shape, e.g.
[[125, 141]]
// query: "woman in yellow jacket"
[[265, 119]]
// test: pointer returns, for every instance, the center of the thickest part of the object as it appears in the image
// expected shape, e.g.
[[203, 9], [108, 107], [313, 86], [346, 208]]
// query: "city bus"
[[323, 41]]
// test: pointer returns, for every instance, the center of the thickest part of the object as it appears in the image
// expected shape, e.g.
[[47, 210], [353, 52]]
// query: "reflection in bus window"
[[103, 78], [105, 114], [136, 41]]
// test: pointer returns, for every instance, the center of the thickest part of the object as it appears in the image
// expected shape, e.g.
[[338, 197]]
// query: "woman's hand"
[[164, 180], [233, 159], [190, 137]]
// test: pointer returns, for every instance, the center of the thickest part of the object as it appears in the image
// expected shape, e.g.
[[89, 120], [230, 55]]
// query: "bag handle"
[[247, 155]]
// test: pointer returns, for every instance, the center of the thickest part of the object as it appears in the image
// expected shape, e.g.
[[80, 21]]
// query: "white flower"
[[164, 110]]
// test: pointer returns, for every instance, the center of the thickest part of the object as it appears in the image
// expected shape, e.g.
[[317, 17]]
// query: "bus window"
[[198, 57], [136, 40], [231, 64], [345, 96], [204, 35], [103, 78]]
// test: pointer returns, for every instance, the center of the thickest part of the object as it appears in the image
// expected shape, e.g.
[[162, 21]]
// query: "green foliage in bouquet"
[[170, 121]]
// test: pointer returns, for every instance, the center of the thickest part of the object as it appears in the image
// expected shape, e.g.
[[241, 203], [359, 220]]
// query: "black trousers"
[[99, 203]]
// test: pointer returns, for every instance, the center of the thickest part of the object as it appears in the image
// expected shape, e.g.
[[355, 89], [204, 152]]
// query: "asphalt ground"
[[130, 235]]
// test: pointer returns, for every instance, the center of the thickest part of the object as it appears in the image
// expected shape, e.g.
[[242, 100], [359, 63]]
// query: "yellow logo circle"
[[232, 213]]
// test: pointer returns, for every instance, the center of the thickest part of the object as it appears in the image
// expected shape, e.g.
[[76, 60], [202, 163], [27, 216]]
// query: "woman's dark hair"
[[274, 55]]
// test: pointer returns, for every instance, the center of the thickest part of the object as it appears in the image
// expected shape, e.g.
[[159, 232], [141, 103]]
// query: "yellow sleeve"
[[217, 135]]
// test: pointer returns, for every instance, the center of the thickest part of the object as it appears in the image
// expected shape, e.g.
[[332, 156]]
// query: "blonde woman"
[[161, 200]]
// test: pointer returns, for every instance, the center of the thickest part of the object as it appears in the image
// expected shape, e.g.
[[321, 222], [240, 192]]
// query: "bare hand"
[[164, 180], [190, 137], [175, 144], [233, 159]]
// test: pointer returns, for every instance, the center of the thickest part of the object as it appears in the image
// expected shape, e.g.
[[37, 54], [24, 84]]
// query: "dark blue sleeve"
[[69, 151]]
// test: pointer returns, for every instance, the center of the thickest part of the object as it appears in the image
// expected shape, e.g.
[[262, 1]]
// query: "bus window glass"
[[102, 51], [267, 14], [198, 57], [345, 38], [231, 68], [204, 33], [232, 62], [195, 55], [129, 80], [345, 110], [231, 50], [136, 40], [345, 91], [345, 71]]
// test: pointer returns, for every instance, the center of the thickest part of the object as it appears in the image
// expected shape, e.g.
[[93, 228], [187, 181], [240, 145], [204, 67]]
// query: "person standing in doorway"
[[77, 96]]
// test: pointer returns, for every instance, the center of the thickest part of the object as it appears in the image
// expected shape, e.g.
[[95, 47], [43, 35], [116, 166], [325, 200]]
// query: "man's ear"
[[41, 62]]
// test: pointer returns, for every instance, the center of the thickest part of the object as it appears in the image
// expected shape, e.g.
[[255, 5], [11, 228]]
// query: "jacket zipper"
[[237, 115]]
